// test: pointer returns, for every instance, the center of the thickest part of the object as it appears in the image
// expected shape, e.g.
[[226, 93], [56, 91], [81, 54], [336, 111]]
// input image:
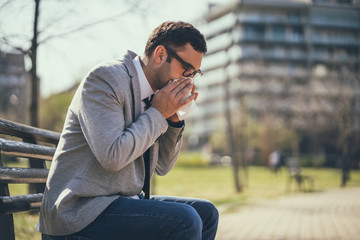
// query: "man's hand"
[[175, 118], [171, 98]]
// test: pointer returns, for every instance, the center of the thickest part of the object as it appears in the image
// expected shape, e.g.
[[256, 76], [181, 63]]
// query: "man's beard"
[[163, 76]]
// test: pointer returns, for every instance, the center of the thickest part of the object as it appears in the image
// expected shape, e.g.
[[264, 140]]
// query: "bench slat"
[[31, 133], [21, 149], [23, 175], [33, 143], [14, 204]]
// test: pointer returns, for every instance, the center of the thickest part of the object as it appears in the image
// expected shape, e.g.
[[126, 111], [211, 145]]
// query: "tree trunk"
[[345, 163], [35, 163], [35, 83], [231, 140], [345, 176]]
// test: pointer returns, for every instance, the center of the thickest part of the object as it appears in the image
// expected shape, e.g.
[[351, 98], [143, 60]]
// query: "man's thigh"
[[207, 211], [159, 218], [201, 206]]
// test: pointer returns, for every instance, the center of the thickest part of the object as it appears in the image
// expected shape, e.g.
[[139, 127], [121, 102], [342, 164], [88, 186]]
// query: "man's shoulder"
[[108, 66], [123, 65]]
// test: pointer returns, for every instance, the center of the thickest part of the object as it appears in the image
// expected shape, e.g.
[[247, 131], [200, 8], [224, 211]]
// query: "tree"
[[39, 37], [34, 121], [344, 85], [235, 160]]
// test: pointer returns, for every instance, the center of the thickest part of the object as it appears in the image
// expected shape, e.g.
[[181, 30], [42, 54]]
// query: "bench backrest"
[[35, 144], [293, 164]]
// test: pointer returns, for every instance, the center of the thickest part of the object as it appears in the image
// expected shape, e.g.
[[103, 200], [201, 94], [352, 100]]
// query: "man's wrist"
[[179, 124]]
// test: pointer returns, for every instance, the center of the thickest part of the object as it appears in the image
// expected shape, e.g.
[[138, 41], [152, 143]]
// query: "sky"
[[65, 59]]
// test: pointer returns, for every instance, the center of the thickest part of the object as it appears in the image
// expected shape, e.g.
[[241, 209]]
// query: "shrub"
[[312, 161], [192, 159]]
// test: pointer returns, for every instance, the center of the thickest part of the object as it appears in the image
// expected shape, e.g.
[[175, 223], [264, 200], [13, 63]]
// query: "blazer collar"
[[134, 81], [128, 57]]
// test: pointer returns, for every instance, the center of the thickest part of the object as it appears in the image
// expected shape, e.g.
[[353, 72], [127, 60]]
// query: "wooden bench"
[[303, 182], [37, 146]]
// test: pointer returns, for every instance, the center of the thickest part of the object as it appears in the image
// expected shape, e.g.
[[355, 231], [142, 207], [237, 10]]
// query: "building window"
[[297, 34], [278, 33], [294, 17], [254, 32]]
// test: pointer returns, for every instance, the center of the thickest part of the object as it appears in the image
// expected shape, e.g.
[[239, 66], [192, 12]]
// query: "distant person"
[[94, 188], [274, 161]]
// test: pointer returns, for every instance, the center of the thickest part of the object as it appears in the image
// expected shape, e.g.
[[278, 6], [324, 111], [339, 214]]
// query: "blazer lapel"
[[134, 82]]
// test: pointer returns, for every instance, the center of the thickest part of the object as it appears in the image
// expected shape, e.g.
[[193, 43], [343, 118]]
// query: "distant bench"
[[303, 182], [35, 144]]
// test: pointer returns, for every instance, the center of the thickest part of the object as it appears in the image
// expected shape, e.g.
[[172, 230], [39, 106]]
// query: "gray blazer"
[[99, 156]]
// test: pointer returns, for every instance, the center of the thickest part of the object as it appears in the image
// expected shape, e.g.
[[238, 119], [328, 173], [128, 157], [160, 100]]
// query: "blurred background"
[[280, 96]]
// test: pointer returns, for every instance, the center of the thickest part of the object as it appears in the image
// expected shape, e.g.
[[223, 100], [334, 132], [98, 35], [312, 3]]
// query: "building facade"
[[14, 87], [290, 58]]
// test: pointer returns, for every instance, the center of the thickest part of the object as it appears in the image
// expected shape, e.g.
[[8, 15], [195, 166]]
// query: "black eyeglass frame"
[[195, 74]]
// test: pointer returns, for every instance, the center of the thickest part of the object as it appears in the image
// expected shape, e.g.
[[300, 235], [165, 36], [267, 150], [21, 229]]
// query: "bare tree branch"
[[5, 41], [53, 22], [84, 27], [4, 4]]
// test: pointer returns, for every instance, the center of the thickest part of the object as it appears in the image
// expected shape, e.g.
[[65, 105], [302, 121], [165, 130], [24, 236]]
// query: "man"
[[94, 188]]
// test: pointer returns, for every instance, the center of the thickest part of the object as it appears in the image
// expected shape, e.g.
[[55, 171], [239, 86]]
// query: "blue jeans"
[[160, 218]]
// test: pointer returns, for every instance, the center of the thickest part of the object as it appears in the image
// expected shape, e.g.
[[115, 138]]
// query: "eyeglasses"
[[189, 69]]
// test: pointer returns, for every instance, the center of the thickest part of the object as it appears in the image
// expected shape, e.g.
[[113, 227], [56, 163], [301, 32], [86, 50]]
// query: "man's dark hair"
[[175, 35]]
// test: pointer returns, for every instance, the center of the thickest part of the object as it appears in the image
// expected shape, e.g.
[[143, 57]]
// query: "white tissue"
[[188, 109]]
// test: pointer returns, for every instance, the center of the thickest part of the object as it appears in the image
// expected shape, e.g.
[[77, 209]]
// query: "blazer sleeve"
[[103, 107], [169, 148]]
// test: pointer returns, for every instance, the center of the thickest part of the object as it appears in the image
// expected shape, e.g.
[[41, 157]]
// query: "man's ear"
[[160, 54]]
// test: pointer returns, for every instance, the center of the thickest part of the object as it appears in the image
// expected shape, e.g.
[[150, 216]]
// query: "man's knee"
[[192, 224], [207, 211], [213, 212], [210, 217]]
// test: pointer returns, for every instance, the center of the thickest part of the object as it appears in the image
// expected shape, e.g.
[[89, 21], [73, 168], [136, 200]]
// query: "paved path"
[[330, 215]]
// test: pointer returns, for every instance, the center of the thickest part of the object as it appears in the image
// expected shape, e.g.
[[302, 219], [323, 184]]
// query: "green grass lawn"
[[213, 183], [217, 185]]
